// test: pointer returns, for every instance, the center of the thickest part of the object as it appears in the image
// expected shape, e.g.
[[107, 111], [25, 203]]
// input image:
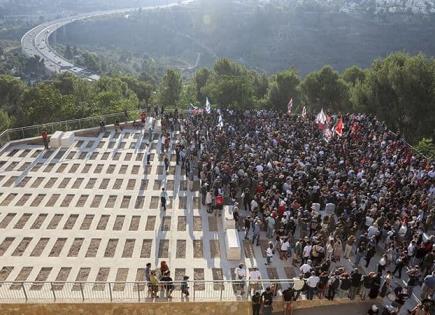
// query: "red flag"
[[339, 127], [290, 106]]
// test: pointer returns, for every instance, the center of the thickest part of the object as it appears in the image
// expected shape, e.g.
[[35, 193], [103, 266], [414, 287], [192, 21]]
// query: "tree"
[[188, 94], [114, 95], [90, 62], [260, 84], [170, 88], [200, 79], [325, 89], [34, 66], [231, 91], [353, 74], [11, 94], [400, 90], [426, 147], [284, 87], [5, 121], [230, 85], [143, 89], [43, 103]]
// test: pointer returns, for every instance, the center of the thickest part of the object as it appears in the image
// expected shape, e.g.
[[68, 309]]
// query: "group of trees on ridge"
[[399, 89]]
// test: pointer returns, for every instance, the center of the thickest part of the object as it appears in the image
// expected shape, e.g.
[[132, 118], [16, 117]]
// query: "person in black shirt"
[[323, 283], [345, 283], [333, 284], [356, 278], [168, 283], [247, 225], [367, 284], [166, 161], [400, 263], [376, 285], [371, 251], [288, 296], [267, 297], [256, 303]]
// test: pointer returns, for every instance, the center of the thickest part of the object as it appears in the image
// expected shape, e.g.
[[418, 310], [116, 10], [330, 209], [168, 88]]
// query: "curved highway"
[[36, 41]]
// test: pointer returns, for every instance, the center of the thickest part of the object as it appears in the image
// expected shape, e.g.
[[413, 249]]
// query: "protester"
[[314, 195], [256, 303], [163, 198], [45, 139], [267, 297]]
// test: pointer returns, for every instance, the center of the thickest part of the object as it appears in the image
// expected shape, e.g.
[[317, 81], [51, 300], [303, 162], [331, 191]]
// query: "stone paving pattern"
[[91, 212]]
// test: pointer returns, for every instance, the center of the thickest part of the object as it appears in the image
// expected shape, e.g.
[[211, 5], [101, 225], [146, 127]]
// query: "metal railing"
[[67, 125], [107, 292]]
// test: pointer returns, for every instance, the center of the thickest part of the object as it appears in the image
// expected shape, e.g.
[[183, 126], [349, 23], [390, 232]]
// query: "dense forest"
[[267, 38], [399, 90]]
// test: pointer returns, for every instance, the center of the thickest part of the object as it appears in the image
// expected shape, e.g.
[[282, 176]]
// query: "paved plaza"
[[91, 212]]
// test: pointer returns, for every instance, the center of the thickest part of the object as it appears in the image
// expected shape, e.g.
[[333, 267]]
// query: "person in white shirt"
[[312, 283], [269, 254], [411, 252], [306, 252], [254, 279], [305, 268], [254, 205], [163, 198], [298, 285], [284, 249], [373, 231], [240, 273]]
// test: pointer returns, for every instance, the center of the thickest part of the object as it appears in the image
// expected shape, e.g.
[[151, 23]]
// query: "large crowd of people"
[[321, 204]]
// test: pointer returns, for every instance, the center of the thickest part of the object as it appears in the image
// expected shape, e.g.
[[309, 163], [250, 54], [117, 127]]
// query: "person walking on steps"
[[163, 198]]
